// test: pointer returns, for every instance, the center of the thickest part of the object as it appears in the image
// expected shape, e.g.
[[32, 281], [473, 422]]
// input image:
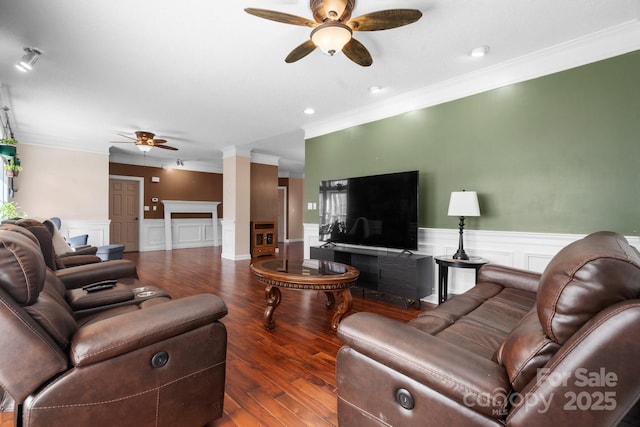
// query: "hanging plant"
[[9, 141], [12, 168]]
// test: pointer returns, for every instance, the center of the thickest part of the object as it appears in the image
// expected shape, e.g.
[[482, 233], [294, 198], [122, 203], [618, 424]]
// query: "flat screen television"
[[377, 210]]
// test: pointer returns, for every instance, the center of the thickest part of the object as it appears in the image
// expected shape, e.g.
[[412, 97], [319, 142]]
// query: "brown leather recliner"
[[518, 349], [160, 363], [44, 232]]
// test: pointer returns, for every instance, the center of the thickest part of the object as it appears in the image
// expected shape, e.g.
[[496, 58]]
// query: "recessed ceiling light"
[[375, 89], [309, 111], [479, 51]]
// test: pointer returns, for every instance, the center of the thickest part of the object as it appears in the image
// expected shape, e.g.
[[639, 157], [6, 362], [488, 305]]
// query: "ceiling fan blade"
[[384, 19], [281, 17], [127, 136], [300, 52], [166, 147], [355, 51], [159, 141]]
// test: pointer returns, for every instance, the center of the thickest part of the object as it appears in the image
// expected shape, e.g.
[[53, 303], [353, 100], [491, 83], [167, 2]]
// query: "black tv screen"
[[378, 210]]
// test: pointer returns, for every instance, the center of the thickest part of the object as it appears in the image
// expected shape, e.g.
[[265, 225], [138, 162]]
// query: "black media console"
[[402, 274]]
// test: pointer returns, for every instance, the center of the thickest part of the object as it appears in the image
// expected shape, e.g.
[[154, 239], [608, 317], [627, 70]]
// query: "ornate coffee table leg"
[[331, 300], [272, 298], [346, 302]]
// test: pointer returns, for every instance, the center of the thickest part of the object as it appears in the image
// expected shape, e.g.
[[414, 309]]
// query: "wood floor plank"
[[279, 377]]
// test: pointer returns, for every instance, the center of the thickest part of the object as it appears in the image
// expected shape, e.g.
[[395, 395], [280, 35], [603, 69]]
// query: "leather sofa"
[[518, 349], [158, 362]]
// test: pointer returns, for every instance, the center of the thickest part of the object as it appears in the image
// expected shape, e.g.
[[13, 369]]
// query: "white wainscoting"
[[229, 242], [98, 231], [185, 233], [528, 251]]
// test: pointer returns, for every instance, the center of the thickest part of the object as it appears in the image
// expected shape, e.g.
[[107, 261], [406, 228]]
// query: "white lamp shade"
[[144, 148], [464, 203], [331, 37]]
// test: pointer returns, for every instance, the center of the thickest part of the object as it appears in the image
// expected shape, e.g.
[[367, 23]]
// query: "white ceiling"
[[206, 76]]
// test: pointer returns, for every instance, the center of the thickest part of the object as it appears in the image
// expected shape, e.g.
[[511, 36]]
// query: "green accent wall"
[[557, 154]]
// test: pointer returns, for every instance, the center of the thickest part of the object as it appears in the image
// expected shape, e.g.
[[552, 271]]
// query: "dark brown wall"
[[264, 192], [295, 206], [175, 184]]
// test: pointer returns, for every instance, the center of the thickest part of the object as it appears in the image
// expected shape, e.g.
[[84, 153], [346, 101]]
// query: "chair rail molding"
[[528, 251], [188, 206]]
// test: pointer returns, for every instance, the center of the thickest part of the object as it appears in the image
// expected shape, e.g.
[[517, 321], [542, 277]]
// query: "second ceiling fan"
[[145, 141], [333, 27]]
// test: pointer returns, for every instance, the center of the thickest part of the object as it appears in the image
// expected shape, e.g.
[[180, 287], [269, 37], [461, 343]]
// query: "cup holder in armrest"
[[147, 292], [144, 294]]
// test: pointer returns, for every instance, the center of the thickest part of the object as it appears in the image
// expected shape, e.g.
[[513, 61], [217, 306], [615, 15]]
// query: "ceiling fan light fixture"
[[331, 37], [144, 148], [28, 59]]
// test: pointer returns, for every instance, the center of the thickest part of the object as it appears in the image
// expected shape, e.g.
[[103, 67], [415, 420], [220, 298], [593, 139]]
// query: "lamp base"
[[461, 255]]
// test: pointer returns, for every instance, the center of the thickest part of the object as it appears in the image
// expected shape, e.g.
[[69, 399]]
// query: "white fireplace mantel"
[[187, 206]]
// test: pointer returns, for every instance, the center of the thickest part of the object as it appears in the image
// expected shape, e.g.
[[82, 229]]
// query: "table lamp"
[[462, 204]]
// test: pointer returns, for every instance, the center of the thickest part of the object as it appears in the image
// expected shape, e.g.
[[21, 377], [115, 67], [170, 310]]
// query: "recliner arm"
[[444, 367], [81, 275], [98, 341], [509, 277]]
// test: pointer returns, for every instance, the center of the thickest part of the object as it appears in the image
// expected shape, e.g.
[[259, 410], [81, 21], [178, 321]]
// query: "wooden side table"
[[445, 262]]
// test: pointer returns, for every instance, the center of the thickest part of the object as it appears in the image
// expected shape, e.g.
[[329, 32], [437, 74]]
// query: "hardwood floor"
[[281, 377]]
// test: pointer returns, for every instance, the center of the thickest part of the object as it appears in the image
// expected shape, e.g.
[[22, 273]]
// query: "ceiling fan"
[[333, 27], [145, 141]]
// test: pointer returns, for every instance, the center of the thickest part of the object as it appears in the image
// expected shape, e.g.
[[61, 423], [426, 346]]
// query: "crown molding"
[[235, 151], [265, 159], [614, 41]]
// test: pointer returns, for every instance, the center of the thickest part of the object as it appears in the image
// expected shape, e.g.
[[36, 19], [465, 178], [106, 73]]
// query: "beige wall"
[[73, 185], [236, 204]]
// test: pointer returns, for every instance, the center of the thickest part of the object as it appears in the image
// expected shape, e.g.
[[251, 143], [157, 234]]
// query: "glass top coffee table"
[[307, 274]]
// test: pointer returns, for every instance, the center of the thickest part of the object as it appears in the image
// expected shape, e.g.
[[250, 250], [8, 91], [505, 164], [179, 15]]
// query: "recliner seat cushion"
[[478, 320]]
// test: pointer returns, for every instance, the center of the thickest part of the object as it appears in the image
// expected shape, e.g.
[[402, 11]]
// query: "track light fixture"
[[28, 59]]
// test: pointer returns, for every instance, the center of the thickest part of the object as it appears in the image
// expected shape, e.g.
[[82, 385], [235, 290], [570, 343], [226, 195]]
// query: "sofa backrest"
[[583, 279], [525, 349], [35, 322]]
